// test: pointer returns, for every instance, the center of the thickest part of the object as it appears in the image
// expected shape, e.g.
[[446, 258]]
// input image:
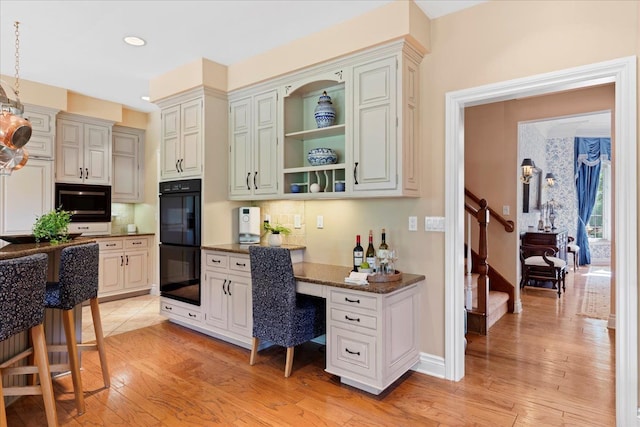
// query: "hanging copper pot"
[[12, 160], [15, 131]]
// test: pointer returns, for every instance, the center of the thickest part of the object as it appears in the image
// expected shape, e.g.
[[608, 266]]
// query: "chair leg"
[[289, 363], [3, 410], [42, 362], [74, 360], [97, 327], [254, 351]]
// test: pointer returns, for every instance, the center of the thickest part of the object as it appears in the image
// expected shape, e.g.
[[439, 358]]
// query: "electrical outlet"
[[413, 223], [320, 221], [267, 218], [297, 221]]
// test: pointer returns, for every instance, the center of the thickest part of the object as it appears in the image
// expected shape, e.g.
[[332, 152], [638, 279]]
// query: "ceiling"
[[585, 125], [78, 45]]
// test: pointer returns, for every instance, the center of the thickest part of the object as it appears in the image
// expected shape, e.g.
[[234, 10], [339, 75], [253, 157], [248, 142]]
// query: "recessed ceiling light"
[[145, 98], [134, 41]]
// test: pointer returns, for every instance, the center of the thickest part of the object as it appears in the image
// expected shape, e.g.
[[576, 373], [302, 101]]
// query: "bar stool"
[[78, 282], [22, 291]]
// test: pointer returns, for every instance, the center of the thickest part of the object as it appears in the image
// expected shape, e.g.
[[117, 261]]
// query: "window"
[[599, 226]]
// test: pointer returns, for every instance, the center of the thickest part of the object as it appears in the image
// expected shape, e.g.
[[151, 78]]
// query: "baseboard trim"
[[431, 365]]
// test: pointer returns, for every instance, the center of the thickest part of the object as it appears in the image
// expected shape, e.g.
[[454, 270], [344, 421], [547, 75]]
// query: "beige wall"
[[491, 157]]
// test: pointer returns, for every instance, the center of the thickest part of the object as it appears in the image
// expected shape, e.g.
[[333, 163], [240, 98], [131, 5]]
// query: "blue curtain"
[[589, 154]]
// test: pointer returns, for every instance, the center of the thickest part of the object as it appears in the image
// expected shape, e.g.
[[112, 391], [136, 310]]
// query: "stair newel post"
[[468, 291], [483, 268]]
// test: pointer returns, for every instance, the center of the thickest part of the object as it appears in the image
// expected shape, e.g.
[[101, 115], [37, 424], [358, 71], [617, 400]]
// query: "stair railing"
[[481, 215]]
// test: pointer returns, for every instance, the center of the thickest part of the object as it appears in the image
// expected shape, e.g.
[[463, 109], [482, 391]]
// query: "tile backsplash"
[[121, 215], [283, 212]]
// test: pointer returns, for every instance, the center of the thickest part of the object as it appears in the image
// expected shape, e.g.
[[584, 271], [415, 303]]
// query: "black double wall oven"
[[180, 220]]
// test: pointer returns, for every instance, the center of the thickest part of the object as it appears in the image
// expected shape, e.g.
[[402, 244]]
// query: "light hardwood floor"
[[545, 367]]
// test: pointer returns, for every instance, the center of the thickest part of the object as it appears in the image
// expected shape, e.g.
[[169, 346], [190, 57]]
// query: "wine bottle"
[[383, 250], [371, 253], [358, 254]]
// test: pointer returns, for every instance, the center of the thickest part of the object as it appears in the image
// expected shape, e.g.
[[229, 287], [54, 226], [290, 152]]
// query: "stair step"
[[497, 303]]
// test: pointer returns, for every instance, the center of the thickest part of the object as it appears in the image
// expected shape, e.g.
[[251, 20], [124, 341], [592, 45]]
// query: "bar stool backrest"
[[22, 289], [78, 276]]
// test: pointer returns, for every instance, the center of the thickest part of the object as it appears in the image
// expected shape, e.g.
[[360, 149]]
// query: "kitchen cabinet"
[[25, 195], [83, 150], [181, 140], [253, 168], [127, 151], [372, 339], [43, 131], [124, 265], [385, 126], [227, 300]]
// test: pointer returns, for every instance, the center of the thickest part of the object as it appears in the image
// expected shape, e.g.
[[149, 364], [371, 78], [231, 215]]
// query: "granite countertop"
[[243, 249], [115, 234], [333, 275], [24, 249]]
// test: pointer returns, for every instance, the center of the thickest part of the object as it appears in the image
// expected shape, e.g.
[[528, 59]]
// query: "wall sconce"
[[527, 170], [551, 179]]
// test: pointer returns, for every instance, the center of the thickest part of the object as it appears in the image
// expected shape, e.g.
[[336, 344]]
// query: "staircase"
[[488, 295]]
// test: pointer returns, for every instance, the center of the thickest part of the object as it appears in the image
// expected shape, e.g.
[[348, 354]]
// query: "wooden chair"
[[541, 264], [574, 250], [78, 282], [280, 315], [22, 291]]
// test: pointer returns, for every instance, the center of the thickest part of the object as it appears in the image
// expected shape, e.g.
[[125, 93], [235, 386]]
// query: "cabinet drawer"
[[352, 352], [110, 245], [176, 310], [349, 299], [239, 264], [216, 260], [353, 319], [90, 228], [136, 243]]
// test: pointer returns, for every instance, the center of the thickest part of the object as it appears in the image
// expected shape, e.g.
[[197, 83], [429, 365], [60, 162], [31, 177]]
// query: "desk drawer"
[[239, 264], [351, 352], [352, 299], [216, 260], [172, 310], [136, 243], [353, 319]]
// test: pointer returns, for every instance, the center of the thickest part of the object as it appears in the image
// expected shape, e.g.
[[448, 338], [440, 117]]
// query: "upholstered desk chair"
[[280, 316], [574, 250], [78, 282], [540, 263], [22, 289]]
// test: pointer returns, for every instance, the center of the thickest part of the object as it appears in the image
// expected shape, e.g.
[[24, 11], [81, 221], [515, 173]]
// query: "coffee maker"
[[249, 225]]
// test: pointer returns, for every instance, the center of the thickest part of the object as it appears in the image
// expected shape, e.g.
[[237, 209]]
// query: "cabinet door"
[[375, 125], [136, 267], [265, 139], [97, 154], [111, 274], [240, 170], [216, 299], [190, 160], [42, 142], [240, 306], [26, 194], [126, 170], [69, 151], [170, 138]]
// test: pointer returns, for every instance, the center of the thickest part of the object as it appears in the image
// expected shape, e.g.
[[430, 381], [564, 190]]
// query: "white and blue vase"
[[324, 113]]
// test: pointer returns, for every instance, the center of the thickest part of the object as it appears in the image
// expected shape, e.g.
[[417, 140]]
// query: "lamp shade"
[[528, 163]]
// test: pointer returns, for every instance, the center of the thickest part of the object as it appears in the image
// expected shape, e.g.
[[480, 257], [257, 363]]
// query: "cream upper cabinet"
[[385, 127], [182, 136], [253, 140], [25, 195], [43, 135], [127, 149], [83, 151]]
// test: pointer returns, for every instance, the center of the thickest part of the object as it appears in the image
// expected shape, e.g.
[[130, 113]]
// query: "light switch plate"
[[413, 223], [433, 223], [297, 221], [320, 221], [505, 210]]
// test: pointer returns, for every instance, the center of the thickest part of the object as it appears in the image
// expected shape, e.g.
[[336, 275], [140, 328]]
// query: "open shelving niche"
[[301, 134]]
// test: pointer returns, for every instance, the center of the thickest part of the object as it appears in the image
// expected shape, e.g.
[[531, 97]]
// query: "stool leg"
[[289, 362], [74, 360], [254, 350], [3, 410], [42, 361], [97, 327]]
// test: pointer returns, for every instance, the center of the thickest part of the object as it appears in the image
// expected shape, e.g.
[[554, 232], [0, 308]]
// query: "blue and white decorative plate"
[[322, 156]]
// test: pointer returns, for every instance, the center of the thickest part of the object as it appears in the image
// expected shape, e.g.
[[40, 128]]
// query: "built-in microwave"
[[87, 203]]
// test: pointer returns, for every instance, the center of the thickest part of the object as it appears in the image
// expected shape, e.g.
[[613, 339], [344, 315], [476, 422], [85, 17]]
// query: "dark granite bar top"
[[24, 249], [333, 275], [115, 235], [243, 249]]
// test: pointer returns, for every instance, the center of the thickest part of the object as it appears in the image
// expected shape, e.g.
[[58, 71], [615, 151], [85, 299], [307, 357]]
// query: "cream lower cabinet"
[[124, 265], [372, 339], [227, 303]]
